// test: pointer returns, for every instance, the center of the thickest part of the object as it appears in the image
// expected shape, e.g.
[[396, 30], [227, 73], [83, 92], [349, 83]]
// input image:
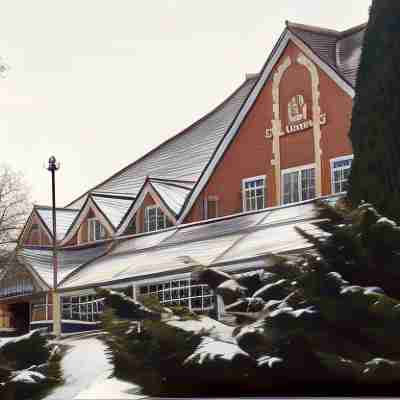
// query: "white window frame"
[[92, 229], [244, 190], [291, 170], [147, 221], [86, 308], [332, 162], [186, 292]]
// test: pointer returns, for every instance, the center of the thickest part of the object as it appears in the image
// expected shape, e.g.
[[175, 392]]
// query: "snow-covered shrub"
[[29, 365], [323, 322]]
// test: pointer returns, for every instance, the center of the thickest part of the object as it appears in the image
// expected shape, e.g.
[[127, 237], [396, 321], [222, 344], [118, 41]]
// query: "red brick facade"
[[250, 153]]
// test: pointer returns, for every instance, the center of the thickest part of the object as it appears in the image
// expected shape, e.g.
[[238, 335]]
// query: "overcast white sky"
[[98, 83]]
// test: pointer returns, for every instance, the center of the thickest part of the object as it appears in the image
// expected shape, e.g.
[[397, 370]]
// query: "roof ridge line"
[[182, 132], [313, 28], [111, 196], [39, 206], [170, 184], [354, 29]]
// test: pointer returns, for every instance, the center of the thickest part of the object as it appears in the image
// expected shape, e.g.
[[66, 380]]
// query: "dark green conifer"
[[375, 175]]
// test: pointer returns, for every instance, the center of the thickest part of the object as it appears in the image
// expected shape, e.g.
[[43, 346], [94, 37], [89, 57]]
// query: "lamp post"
[[53, 167]]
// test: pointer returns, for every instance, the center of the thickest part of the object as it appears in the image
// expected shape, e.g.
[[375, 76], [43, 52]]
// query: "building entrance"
[[20, 317]]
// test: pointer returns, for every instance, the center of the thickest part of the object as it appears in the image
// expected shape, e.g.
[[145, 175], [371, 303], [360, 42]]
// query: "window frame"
[[332, 163], [92, 225], [298, 169], [194, 295], [244, 190], [147, 221]]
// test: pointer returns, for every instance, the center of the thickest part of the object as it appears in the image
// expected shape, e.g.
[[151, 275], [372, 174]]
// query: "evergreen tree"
[[375, 175]]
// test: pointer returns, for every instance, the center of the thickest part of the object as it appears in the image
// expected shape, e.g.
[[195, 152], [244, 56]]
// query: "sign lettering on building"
[[298, 120]]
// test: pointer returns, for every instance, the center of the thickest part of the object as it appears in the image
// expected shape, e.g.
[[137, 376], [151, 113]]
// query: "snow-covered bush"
[[323, 322], [29, 365]]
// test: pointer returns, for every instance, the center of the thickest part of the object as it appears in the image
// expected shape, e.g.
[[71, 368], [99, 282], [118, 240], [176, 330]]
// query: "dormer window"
[[96, 230], [155, 219]]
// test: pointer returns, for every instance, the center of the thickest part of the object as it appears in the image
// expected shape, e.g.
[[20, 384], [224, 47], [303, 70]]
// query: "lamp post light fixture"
[[54, 166]]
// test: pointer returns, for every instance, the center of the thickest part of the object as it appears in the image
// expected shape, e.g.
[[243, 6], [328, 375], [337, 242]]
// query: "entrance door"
[[20, 317]]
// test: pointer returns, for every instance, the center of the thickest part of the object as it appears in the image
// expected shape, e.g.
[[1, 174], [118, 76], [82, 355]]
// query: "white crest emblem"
[[297, 110]]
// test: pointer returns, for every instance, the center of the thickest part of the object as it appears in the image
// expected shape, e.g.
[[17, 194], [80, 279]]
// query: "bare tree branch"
[[14, 207]]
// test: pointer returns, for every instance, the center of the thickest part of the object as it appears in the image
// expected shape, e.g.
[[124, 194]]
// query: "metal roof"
[[184, 156], [41, 260], [113, 207], [226, 242], [64, 218], [219, 227], [158, 260], [173, 195]]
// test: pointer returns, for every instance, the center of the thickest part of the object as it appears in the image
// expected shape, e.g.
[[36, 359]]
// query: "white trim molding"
[[264, 76], [89, 206], [146, 189]]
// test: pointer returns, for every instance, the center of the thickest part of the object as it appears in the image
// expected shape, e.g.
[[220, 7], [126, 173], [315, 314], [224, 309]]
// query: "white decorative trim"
[[299, 168], [43, 228], [90, 206], [147, 189], [343, 84], [275, 56], [277, 124], [316, 110]]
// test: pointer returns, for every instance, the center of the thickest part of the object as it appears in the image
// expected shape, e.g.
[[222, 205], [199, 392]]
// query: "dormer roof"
[[182, 157], [114, 208], [64, 219]]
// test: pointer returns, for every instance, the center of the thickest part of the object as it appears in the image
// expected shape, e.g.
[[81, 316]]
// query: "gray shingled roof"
[[41, 260], [173, 194], [64, 219], [114, 208], [224, 242], [340, 50], [184, 156]]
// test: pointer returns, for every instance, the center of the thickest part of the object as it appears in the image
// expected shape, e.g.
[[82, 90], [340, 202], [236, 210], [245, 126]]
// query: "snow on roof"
[[64, 218], [241, 241], [114, 208], [156, 260], [184, 156], [41, 260], [173, 195], [275, 239]]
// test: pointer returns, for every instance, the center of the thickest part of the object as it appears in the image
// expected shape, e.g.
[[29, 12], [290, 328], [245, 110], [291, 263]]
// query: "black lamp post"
[[53, 166]]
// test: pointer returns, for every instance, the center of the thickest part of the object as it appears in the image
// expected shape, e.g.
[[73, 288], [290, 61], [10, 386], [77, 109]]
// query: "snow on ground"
[[106, 388], [87, 373]]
